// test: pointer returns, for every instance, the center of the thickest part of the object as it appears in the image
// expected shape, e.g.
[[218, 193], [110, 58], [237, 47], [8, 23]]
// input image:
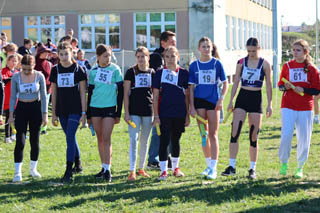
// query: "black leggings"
[[7, 128], [27, 114], [171, 130]]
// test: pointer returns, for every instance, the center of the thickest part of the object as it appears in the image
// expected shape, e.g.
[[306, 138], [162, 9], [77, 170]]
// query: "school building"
[[126, 24]]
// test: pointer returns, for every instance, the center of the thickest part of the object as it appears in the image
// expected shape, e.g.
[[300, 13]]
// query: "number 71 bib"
[[65, 79], [104, 76], [170, 77], [297, 75]]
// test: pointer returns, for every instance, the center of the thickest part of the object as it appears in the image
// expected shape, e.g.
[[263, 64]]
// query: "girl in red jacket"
[[7, 73]]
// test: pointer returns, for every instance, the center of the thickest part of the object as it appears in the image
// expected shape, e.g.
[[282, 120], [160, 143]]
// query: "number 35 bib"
[[65, 79], [170, 77], [103, 76]]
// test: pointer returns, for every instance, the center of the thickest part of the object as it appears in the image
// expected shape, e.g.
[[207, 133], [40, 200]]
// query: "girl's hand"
[[193, 112], [116, 120], [126, 117], [83, 120], [230, 107], [219, 104], [10, 120], [187, 122], [269, 111], [156, 121], [45, 119]]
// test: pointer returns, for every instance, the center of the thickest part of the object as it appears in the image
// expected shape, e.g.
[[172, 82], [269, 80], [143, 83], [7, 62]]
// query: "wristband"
[[83, 113]]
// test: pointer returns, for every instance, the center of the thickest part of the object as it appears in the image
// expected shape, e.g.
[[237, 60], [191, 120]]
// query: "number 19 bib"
[[207, 76], [65, 79], [143, 80], [170, 77], [297, 75], [103, 76]]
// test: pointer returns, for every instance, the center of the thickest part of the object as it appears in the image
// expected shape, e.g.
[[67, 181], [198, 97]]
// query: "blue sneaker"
[[212, 175], [206, 171]]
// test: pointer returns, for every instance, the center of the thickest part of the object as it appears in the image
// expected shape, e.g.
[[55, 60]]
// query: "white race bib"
[[251, 74], [297, 75], [66, 79], [143, 80], [103, 76], [207, 76], [28, 88], [170, 77]]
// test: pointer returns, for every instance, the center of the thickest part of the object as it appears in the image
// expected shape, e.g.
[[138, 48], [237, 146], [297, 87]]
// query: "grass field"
[[269, 193]]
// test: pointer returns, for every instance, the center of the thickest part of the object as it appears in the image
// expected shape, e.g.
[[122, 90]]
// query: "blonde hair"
[[304, 44]]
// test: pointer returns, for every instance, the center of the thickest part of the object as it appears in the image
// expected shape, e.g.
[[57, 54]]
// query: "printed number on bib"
[[298, 75], [170, 77], [28, 88], [143, 80], [65, 79], [104, 76], [251, 75], [207, 76]]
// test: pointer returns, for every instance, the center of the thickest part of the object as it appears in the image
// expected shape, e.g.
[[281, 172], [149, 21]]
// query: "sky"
[[295, 12]]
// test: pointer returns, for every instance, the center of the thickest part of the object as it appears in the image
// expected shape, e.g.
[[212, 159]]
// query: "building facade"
[[126, 24]]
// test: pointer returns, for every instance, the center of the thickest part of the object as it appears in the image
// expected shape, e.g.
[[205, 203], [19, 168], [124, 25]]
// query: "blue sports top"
[[206, 76]]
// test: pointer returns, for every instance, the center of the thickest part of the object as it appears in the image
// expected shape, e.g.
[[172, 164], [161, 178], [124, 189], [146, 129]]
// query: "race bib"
[[297, 75], [251, 75], [207, 76], [65, 79], [143, 80], [28, 88], [170, 77], [103, 76]]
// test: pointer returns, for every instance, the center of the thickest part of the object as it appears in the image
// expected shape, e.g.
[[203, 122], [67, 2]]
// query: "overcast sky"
[[295, 12]]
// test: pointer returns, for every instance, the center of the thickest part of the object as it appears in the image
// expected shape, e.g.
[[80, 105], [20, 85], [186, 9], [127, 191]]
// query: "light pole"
[[317, 35]]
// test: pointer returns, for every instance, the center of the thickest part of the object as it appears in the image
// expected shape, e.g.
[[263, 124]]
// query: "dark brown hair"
[[164, 36], [145, 51], [28, 60], [253, 42], [66, 46]]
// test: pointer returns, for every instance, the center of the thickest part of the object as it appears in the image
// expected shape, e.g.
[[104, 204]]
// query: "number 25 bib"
[[104, 76], [170, 77], [143, 80]]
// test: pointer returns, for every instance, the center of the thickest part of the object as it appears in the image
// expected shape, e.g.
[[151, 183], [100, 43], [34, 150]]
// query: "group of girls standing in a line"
[[164, 98]]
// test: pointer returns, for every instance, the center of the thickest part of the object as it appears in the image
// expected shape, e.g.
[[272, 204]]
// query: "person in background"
[[7, 74], [4, 40], [9, 49], [70, 33], [156, 62], [44, 66], [26, 48], [296, 110], [53, 57], [84, 63], [74, 44], [50, 45], [28, 86], [33, 49], [66, 38]]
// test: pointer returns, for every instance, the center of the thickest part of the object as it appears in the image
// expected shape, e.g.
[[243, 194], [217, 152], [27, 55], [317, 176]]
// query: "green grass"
[[269, 193]]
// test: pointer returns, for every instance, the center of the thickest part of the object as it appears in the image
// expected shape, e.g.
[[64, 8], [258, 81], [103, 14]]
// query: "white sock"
[[300, 165], [18, 167], [106, 167], [175, 163], [33, 165], [214, 164], [253, 165], [232, 162], [163, 166], [208, 160]]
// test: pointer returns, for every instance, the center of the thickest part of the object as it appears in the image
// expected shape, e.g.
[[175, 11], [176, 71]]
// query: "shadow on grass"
[[150, 190], [305, 205]]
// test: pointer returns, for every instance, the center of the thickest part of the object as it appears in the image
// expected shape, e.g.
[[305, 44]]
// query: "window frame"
[[6, 27]]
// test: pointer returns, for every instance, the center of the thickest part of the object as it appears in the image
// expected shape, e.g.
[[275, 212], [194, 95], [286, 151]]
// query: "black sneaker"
[[252, 174], [100, 175], [77, 170], [43, 132], [67, 177], [229, 171], [107, 176], [155, 166], [169, 163]]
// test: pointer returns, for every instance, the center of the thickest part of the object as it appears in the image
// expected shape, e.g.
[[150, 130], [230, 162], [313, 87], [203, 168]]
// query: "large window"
[[250, 29], [240, 44], [99, 28], [254, 30], [5, 26], [245, 32], [228, 33], [43, 27], [148, 27], [234, 33]]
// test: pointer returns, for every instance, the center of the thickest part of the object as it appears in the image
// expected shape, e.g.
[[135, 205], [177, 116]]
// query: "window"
[[148, 27], [43, 27], [262, 36], [5, 26], [240, 42], [245, 32], [258, 33], [234, 30], [99, 29], [250, 28], [270, 37], [254, 30], [228, 33]]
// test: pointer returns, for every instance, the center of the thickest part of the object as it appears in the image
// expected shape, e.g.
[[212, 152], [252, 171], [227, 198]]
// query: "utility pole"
[[275, 41], [317, 36]]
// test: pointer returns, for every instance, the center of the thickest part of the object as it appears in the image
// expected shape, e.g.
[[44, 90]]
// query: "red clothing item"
[[44, 66], [6, 76], [296, 75]]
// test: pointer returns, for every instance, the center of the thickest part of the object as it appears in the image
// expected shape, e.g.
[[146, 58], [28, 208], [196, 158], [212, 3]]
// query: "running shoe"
[[299, 173], [132, 176], [17, 177], [108, 176], [100, 175], [229, 171], [163, 176], [143, 173], [177, 173], [206, 171], [212, 174], [252, 174], [154, 166], [283, 169], [34, 173]]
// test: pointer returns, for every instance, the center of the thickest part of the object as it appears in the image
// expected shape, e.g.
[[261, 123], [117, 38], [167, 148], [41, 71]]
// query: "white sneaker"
[[316, 120], [13, 137], [212, 175], [8, 140], [206, 171], [17, 177], [34, 173]]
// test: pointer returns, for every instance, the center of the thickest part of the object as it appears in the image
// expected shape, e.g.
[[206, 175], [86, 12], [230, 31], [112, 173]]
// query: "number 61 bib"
[[65, 79], [103, 76], [297, 75], [170, 77]]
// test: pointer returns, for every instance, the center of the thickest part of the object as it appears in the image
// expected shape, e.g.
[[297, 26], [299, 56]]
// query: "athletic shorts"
[[103, 112], [249, 101], [200, 103]]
